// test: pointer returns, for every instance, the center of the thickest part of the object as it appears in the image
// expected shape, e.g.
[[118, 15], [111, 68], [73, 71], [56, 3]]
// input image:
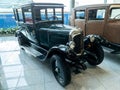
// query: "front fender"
[[60, 50], [90, 41]]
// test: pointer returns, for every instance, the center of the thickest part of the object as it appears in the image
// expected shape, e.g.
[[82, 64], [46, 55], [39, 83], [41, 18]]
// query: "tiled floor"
[[21, 71]]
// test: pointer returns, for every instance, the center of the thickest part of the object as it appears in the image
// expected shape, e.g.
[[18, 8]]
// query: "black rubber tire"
[[63, 73], [97, 50]]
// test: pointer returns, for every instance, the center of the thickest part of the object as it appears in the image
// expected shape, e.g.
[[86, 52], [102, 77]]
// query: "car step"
[[115, 52], [34, 52]]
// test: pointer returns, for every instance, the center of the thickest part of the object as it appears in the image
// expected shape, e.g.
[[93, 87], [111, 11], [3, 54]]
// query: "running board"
[[115, 52], [34, 52]]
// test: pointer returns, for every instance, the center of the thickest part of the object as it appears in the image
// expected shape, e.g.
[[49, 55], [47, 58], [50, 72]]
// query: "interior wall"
[[116, 1]]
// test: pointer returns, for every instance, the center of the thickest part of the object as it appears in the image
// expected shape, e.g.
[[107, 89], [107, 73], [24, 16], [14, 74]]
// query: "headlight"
[[92, 38], [74, 32], [71, 45], [76, 41]]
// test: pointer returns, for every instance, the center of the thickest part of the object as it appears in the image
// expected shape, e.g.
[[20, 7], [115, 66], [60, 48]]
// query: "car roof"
[[43, 5], [94, 6]]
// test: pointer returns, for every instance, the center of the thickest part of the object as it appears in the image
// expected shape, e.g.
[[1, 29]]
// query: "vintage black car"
[[43, 33]]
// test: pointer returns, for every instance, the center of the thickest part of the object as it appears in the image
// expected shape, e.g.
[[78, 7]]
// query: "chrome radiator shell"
[[76, 36]]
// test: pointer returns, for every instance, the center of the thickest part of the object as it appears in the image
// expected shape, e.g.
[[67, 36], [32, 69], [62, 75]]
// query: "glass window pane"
[[115, 13], [20, 15], [96, 14], [50, 14], [100, 14], [58, 13], [43, 16], [80, 15], [28, 17]]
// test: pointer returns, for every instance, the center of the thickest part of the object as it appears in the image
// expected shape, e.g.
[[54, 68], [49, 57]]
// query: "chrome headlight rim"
[[92, 38], [71, 45], [74, 32]]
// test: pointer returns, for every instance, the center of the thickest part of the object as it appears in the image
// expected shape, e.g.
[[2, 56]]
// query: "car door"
[[112, 28], [95, 21], [43, 37]]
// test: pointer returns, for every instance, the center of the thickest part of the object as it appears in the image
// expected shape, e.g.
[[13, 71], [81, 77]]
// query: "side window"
[[115, 13], [80, 14], [28, 16], [50, 13], [42, 14], [20, 16], [46, 14], [96, 14], [58, 13]]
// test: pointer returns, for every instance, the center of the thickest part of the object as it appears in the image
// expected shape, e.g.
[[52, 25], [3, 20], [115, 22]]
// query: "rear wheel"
[[60, 70], [95, 55]]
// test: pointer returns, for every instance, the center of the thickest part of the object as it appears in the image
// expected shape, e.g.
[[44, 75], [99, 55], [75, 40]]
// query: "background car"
[[102, 21]]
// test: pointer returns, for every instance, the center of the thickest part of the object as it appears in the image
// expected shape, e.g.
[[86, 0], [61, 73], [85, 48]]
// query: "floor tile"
[[32, 77]]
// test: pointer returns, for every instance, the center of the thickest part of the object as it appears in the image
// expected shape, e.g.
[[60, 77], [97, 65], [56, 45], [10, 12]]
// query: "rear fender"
[[17, 33], [21, 34]]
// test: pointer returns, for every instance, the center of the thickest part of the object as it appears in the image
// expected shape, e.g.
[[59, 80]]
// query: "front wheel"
[[60, 70], [95, 54]]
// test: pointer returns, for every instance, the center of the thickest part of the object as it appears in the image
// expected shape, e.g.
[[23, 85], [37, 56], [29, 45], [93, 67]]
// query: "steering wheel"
[[117, 16], [53, 18]]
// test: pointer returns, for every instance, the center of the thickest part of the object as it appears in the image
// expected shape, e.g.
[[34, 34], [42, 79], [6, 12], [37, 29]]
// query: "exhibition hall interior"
[[59, 45]]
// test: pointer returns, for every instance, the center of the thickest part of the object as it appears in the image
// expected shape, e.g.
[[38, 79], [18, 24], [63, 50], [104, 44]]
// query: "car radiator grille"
[[79, 45]]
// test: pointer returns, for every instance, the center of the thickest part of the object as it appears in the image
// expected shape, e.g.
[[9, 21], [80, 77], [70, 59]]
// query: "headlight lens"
[[71, 45], [92, 38]]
